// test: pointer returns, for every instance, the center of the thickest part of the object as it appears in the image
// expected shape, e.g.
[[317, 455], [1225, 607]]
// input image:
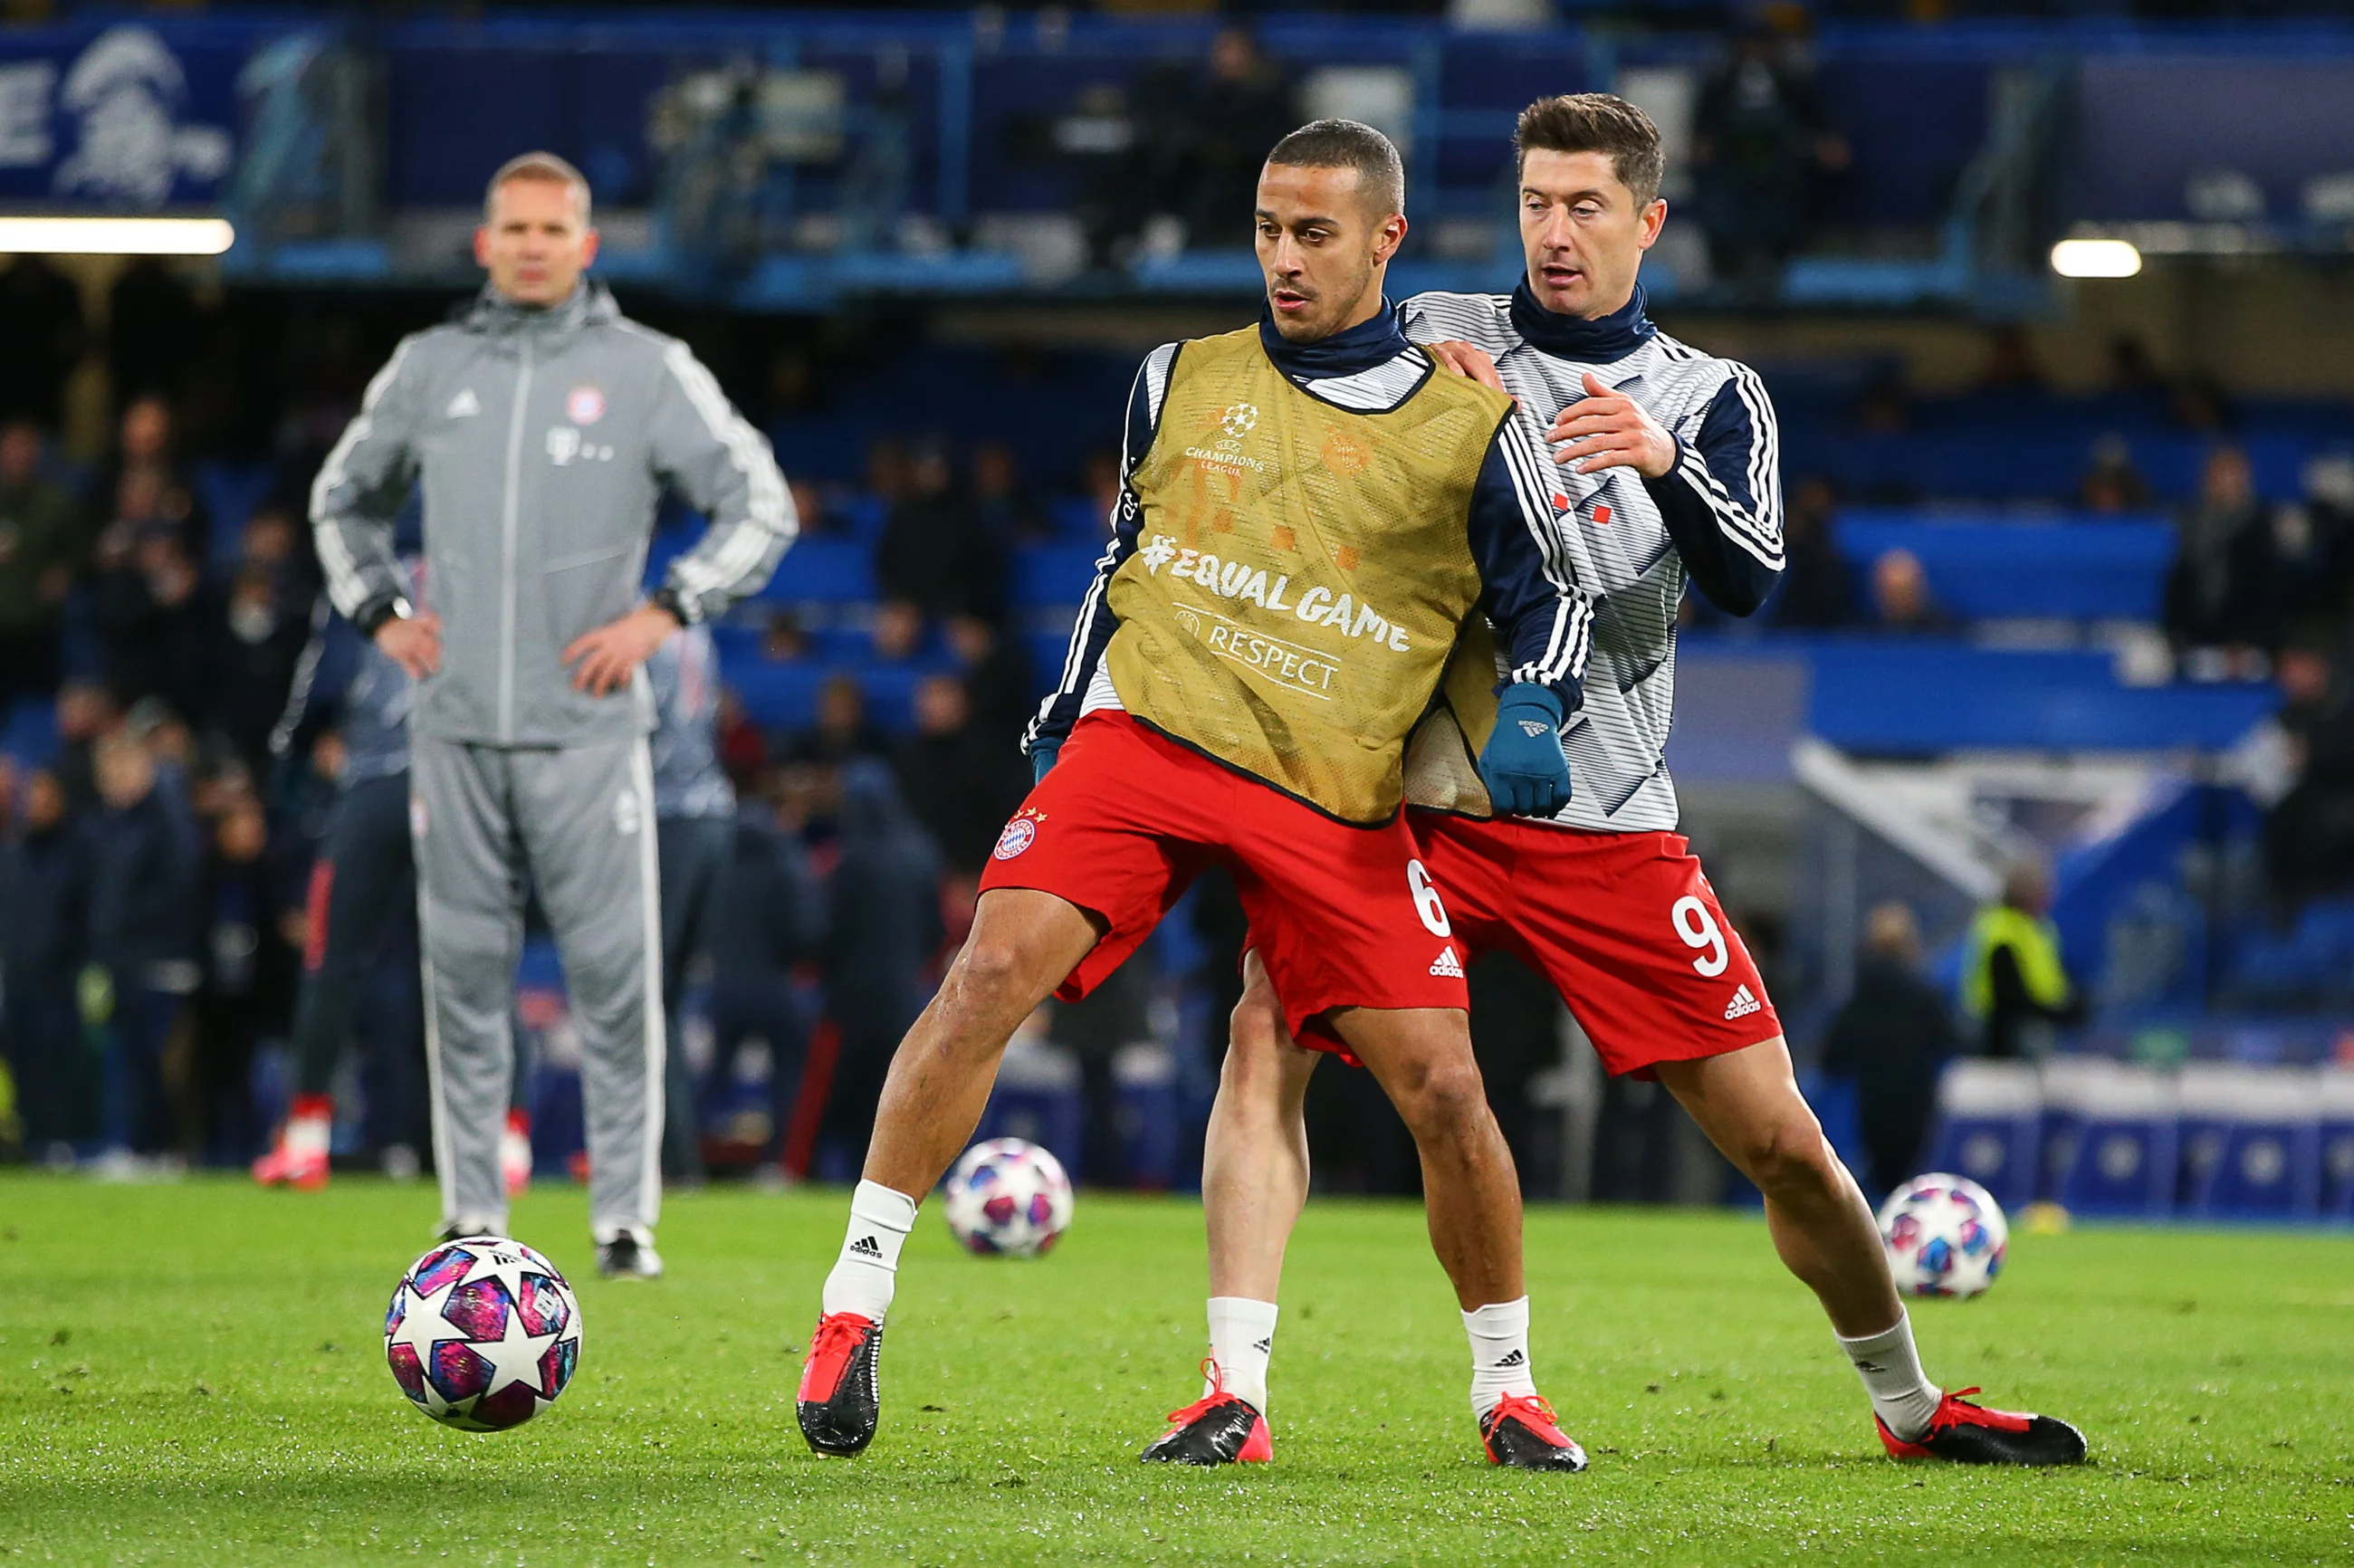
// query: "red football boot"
[[841, 1399], [1523, 1433], [1219, 1428], [298, 1158], [1968, 1434]]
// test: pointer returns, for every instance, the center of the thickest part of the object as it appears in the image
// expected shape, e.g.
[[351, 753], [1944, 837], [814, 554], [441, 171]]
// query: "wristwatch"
[[377, 611], [666, 598]]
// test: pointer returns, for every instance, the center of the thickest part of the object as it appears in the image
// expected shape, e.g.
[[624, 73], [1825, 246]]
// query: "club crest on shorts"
[[1019, 835], [584, 405]]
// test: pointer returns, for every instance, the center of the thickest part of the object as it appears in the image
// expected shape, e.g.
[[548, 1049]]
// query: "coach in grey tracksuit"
[[543, 437]]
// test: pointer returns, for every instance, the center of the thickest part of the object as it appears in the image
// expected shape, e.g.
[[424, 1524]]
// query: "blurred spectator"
[[1902, 603], [1223, 121], [1109, 158], [253, 635], [145, 865], [771, 917], [2112, 483], [897, 631], [933, 554], [44, 890], [1760, 141], [41, 339], [2015, 985], [85, 713], [2132, 372], [2216, 592], [1884, 408], [843, 730], [145, 604], [2011, 365], [2201, 404], [783, 638], [998, 677], [1818, 589], [743, 749], [883, 929], [39, 541], [1002, 507], [251, 912], [141, 481], [154, 330], [961, 784], [2310, 835], [1893, 1037]]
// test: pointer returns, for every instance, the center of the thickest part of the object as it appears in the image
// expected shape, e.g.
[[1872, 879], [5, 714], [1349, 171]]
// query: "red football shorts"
[[1623, 924], [1126, 817]]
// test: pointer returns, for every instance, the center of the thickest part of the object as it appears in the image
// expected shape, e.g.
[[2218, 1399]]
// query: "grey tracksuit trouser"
[[578, 821]]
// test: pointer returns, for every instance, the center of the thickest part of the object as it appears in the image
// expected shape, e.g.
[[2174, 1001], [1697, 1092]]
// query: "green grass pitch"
[[194, 1373]]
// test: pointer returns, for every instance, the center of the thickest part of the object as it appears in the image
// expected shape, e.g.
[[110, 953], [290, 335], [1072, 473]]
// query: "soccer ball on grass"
[[1945, 1235], [482, 1333], [1007, 1196]]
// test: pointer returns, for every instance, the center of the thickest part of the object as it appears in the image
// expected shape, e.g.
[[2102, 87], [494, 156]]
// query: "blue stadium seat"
[[2264, 1159], [1990, 1127], [1923, 697], [30, 732], [783, 698], [1983, 566], [824, 571], [1048, 575], [2111, 1132], [231, 492]]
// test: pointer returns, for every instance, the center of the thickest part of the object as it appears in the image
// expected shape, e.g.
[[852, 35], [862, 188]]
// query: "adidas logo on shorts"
[[1448, 966], [1743, 1004]]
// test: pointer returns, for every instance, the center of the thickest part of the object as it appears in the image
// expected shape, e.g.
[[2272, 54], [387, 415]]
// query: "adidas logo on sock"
[[866, 1246], [1448, 966], [1516, 1359], [1266, 1347], [1742, 1005]]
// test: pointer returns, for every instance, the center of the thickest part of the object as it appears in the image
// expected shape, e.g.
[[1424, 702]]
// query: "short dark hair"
[[1596, 122], [1348, 145]]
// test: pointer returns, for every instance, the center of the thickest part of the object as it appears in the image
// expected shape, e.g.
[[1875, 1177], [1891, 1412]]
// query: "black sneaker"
[[1968, 1434], [841, 1399], [627, 1257], [1523, 1434], [460, 1228], [1219, 1428]]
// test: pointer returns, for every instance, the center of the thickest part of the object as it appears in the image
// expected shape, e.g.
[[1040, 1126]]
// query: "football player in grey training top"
[[543, 426]]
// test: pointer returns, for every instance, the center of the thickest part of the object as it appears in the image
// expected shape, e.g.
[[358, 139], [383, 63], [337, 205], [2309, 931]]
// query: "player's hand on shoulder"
[[1522, 764], [1609, 430], [1467, 360]]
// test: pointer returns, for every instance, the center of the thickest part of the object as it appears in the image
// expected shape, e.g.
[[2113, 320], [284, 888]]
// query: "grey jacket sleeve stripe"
[[753, 521], [359, 490]]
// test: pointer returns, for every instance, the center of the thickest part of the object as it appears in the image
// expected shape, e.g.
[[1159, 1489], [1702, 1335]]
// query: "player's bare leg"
[[1255, 1185], [1748, 1103], [1022, 944]]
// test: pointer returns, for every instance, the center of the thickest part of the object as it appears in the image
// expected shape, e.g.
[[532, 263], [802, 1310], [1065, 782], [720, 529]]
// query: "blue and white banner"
[[128, 117]]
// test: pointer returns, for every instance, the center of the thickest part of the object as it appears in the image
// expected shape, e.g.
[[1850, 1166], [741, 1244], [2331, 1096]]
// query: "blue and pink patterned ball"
[[1945, 1235], [482, 1333], [1008, 1197]]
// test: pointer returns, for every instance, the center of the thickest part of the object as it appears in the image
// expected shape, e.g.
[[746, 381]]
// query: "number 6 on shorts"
[[1698, 927], [1426, 900]]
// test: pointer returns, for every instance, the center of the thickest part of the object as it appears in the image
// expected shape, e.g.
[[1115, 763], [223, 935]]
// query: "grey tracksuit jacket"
[[542, 440]]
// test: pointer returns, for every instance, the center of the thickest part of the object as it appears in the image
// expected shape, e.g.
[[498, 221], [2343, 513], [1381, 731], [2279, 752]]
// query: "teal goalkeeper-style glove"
[[1042, 758], [1522, 764]]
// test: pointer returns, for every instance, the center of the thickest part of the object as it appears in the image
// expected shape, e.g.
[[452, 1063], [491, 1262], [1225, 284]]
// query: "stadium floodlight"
[[2095, 259], [115, 236]]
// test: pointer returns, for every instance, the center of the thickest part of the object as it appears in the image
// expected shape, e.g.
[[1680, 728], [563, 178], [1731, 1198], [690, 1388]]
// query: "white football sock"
[[868, 1268], [309, 1134], [1242, 1338], [1500, 1353], [1901, 1394]]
